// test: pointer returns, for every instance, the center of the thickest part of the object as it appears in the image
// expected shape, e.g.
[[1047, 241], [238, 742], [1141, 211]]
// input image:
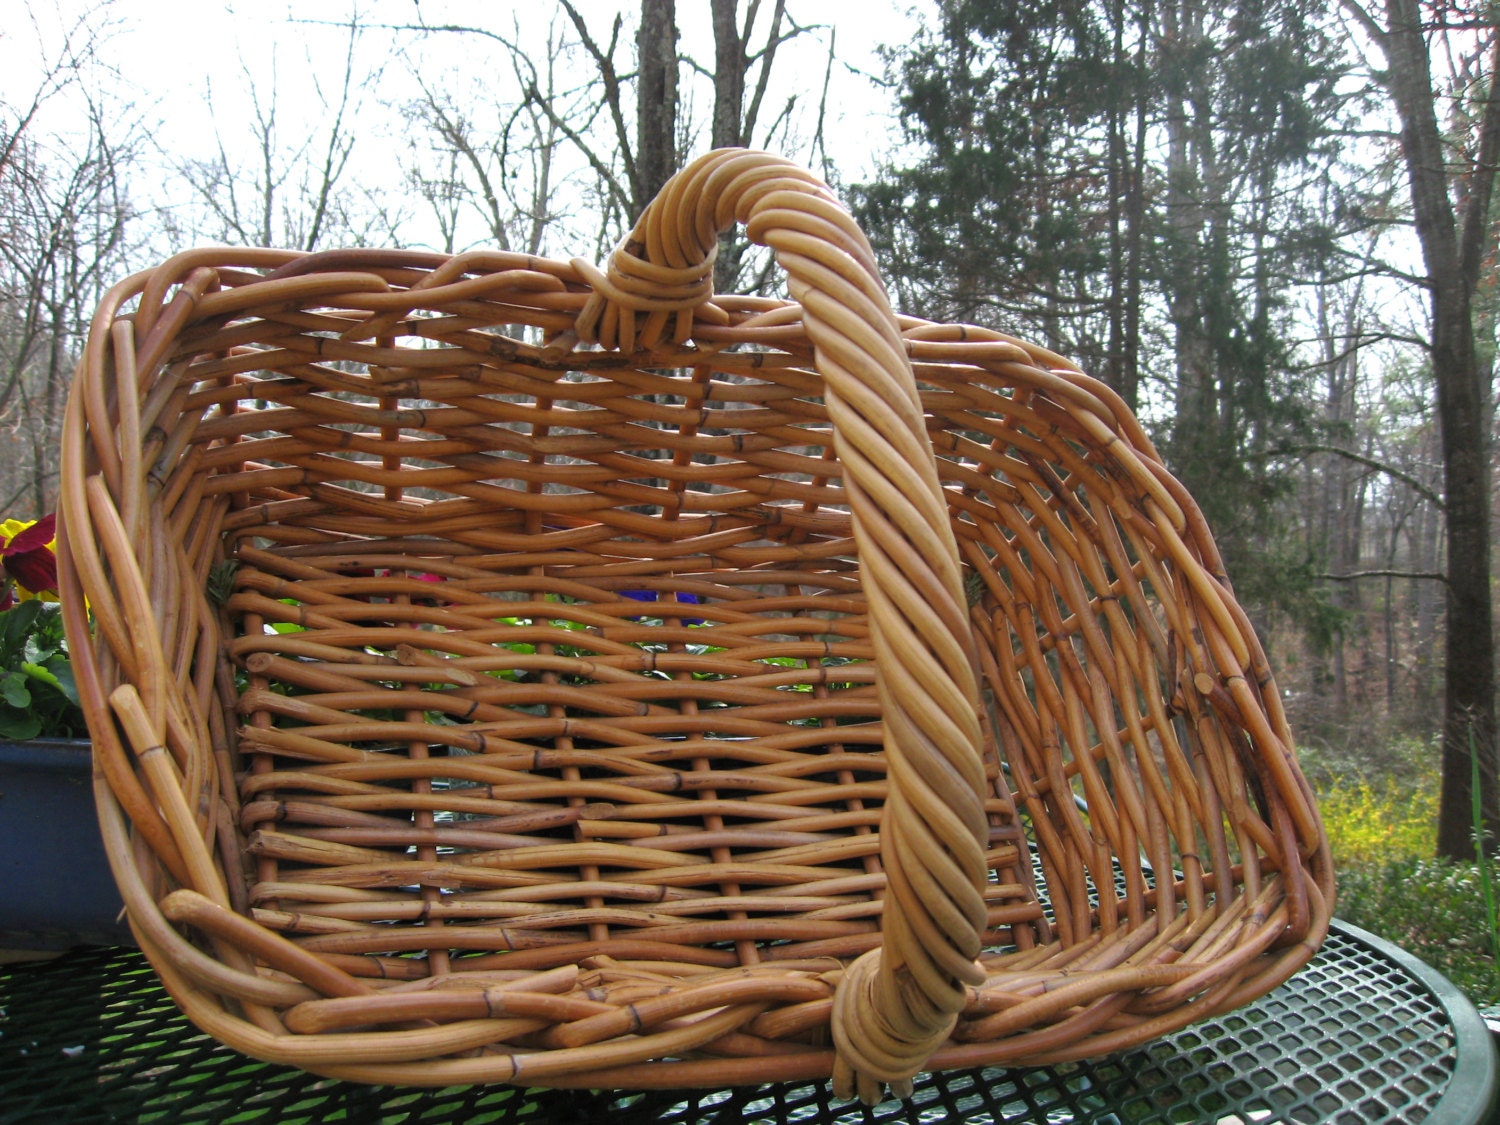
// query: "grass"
[[1383, 831]]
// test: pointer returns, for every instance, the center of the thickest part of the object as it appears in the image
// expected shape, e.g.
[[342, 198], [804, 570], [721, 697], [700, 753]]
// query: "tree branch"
[[1371, 26], [1389, 470], [605, 64], [336, 157], [766, 56], [1474, 224], [1354, 576]]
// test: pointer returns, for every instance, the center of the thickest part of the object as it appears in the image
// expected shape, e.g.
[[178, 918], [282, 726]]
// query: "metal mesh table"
[[1365, 1034]]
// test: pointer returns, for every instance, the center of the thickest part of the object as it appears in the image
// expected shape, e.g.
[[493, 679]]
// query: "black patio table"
[[1364, 1034]]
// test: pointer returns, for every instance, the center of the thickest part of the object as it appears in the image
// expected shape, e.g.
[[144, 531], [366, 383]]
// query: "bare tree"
[[1451, 174], [61, 67], [656, 99], [495, 150], [734, 122], [628, 121], [281, 191], [64, 218]]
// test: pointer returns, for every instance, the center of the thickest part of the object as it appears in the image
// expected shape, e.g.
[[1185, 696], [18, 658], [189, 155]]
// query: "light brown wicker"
[[501, 670]]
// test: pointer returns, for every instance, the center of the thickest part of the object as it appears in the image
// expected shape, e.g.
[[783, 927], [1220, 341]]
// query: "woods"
[[1451, 183], [1270, 226]]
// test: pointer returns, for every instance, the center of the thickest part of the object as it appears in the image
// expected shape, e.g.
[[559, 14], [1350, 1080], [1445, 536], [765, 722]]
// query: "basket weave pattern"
[[501, 670]]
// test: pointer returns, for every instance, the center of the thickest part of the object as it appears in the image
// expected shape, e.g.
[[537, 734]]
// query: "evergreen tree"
[[1249, 115], [1002, 219], [1135, 183]]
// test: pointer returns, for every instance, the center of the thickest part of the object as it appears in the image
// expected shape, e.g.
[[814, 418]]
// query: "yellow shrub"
[[1394, 818]]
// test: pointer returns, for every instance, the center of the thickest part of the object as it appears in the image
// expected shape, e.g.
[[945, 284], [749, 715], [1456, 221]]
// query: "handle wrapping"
[[896, 1005]]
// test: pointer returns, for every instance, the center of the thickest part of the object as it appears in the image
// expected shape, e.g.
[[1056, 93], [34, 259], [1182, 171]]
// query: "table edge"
[[1474, 1091]]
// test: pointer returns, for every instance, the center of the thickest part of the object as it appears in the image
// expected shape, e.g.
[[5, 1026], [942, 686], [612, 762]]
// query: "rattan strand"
[[505, 670]]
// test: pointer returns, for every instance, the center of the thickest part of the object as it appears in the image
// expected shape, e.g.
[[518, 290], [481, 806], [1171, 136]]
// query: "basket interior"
[[537, 652]]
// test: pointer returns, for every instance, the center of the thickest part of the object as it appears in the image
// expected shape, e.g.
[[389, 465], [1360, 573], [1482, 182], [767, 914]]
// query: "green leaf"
[[18, 726], [15, 692], [16, 627], [220, 583], [62, 671], [37, 672], [38, 651]]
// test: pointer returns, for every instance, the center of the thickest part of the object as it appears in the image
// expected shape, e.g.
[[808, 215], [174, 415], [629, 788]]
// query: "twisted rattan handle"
[[895, 1005]]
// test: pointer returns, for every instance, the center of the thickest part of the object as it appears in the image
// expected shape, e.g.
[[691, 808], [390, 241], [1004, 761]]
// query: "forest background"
[[1269, 224]]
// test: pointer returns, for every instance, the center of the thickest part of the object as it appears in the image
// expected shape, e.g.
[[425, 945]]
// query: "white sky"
[[170, 55], [168, 48]]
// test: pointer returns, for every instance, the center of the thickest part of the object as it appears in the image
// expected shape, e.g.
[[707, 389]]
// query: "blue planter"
[[56, 890]]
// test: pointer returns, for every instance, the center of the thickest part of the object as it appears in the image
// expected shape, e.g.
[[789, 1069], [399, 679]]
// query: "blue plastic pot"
[[56, 890]]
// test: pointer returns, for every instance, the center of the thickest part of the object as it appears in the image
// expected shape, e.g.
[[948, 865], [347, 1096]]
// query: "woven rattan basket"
[[504, 671]]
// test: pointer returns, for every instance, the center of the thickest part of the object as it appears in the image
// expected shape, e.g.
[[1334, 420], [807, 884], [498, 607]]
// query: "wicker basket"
[[501, 671]]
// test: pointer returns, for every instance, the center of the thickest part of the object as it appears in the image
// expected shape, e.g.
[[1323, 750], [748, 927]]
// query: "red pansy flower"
[[27, 556]]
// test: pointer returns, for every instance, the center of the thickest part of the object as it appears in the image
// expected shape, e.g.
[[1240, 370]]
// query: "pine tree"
[[1133, 182]]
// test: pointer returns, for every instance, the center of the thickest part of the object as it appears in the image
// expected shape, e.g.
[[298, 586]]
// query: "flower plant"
[[38, 698]]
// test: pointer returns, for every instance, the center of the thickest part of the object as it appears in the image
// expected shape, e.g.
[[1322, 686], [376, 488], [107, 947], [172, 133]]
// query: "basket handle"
[[897, 1004]]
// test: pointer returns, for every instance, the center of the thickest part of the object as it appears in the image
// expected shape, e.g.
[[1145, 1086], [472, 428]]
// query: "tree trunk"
[[1451, 257], [1196, 426], [656, 101], [730, 65], [1428, 548], [1127, 146]]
